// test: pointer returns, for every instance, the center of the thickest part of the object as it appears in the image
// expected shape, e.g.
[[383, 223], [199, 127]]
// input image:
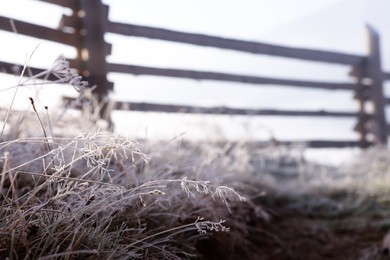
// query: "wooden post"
[[361, 125], [92, 17], [374, 72], [359, 73]]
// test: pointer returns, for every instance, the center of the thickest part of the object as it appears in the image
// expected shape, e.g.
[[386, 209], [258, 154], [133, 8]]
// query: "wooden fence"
[[85, 29]]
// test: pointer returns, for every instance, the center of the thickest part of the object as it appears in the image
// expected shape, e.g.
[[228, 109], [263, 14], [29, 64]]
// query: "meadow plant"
[[97, 195]]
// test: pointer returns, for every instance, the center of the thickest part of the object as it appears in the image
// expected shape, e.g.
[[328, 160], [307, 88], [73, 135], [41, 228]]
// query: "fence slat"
[[38, 31], [330, 143], [386, 75], [72, 4], [221, 110], [16, 70], [202, 75], [374, 71], [232, 44], [94, 63], [306, 143], [134, 106]]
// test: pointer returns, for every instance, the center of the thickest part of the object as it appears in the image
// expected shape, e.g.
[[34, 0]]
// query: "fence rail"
[[205, 75], [38, 31], [232, 44], [85, 28], [223, 110]]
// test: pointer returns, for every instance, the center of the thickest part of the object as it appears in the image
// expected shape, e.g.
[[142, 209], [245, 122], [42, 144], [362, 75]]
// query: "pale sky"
[[246, 19]]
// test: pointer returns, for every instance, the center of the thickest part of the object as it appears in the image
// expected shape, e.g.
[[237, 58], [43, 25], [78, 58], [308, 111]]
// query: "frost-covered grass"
[[100, 196], [74, 191], [97, 195]]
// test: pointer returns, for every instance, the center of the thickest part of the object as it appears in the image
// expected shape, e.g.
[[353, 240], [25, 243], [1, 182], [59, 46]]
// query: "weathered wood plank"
[[38, 31], [233, 44], [92, 46], [386, 75], [222, 110], [307, 143], [362, 94], [134, 106], [374, 71], [202, 75], [328, 143], [72, 4], [14, 69]]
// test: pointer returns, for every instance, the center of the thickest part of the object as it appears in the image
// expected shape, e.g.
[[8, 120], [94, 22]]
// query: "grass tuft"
[[97, 195]]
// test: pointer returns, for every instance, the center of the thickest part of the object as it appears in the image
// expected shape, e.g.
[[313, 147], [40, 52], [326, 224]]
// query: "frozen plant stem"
[[40, 122], [49, 121]]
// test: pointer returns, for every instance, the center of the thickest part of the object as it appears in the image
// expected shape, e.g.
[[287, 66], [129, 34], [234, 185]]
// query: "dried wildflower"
[[204, 226], [224, 193], [62, 71], [67, 75]]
